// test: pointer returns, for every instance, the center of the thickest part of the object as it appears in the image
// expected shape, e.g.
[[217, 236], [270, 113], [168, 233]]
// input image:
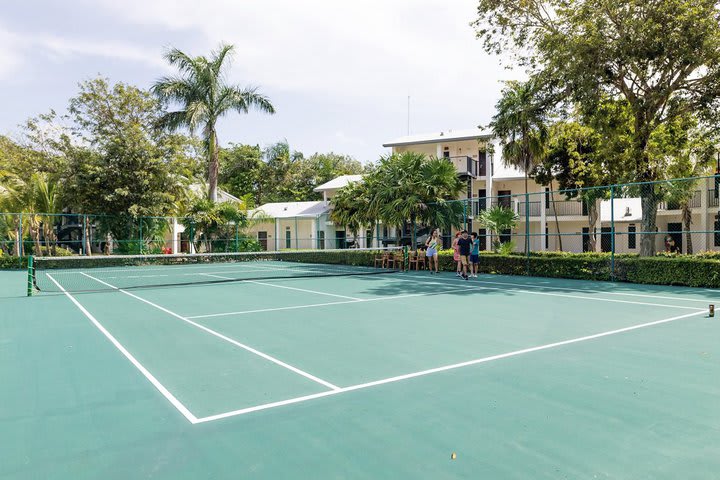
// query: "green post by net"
[[30, 276]]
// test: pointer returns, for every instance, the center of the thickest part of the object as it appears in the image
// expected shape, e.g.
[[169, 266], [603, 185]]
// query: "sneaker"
[[458, 274], [465, 277]]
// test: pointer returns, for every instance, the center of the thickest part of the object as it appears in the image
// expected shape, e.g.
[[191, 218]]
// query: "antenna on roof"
[[408, 116]]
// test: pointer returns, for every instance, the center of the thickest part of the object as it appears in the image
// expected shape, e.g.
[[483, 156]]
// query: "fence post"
[[296, 235], [612, 233], [237, 237], [527, 234], [140, 239], [21, 246], [84, 234]]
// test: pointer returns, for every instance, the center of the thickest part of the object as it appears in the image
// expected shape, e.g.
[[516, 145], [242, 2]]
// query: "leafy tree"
[[124, 167], [204, 98], [219, 226], [242, 171], [661, 57]]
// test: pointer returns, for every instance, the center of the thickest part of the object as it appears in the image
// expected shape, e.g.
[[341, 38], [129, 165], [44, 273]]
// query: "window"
[[547, 197], [716, 233], [547, 238], [482, 201], [446, 153], [288, 238], [482, 163], [321, 239], [631, 237]]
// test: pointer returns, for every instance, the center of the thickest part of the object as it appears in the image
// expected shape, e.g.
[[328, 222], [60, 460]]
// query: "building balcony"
[[464, 166], [695, 202]]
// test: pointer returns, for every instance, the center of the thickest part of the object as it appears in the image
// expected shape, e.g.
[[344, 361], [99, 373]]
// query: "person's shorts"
[[474, 259], [464, 259], [430, 252]]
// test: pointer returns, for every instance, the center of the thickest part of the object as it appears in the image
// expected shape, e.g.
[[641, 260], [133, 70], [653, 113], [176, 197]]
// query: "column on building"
[[277, 235], [175, 234], [488, 193]]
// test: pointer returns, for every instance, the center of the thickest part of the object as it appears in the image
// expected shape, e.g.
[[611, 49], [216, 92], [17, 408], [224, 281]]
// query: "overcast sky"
[[339, 73]]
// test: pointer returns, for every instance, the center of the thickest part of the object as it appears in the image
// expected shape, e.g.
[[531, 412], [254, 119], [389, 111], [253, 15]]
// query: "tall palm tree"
[[351, 208], [520, 123], [204, 97]]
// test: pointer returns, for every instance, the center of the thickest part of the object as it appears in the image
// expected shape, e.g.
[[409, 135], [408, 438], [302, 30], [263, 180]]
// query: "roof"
[[222, 195], [626, 210], [292, 209], [440, 137], [503, 172], [338, 183]]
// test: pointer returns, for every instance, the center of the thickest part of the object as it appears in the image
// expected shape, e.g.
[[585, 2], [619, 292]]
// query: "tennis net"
[[113, 272]]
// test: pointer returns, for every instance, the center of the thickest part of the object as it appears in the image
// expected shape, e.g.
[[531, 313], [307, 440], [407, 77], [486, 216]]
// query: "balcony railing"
[[465, 166], [566, 208], [712, 198], [695, 202], [534, 209]]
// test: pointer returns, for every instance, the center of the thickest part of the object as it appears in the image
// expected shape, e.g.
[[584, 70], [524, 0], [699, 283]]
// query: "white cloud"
[[371, 49], [10, 56]]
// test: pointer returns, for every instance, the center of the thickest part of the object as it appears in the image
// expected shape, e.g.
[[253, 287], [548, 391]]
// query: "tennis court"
[[355, 376]]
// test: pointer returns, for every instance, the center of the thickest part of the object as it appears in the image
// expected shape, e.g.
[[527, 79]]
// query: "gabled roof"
[[292, 209], [440, 137], [222, 195], [338, 183]]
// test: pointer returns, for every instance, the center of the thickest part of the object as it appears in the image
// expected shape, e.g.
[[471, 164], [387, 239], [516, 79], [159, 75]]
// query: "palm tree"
[[520, 123], [412, 187], [204, 98], [351, 208], [498, 219]]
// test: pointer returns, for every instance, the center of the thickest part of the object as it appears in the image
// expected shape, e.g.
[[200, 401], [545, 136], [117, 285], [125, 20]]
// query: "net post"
[[30, 276], [612, 233]]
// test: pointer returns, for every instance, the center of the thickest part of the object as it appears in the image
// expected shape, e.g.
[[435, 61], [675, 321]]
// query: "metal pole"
[[140, 240], [612, 233], [296, 234], [31, 276], [84, 234], [20, 248], [527, 233], [237, 239]]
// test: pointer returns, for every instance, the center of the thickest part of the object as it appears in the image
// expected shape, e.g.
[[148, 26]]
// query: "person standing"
[[464, 247], [456, 253], [474, 255], [431, 253]]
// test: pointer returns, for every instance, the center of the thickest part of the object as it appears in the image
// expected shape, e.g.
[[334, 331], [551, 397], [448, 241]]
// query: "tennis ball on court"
[[453, 456]]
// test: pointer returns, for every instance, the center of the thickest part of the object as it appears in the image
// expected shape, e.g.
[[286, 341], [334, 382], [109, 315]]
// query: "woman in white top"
[[432, 244]]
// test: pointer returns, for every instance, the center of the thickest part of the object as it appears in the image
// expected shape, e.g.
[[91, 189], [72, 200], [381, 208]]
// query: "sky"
[[339, 73]]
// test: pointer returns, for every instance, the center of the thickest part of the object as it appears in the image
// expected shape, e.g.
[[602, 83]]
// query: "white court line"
[[223, 337], [470, 286], [285, 287], [151, 378], [587, 290], [431, 371], [314, 305]]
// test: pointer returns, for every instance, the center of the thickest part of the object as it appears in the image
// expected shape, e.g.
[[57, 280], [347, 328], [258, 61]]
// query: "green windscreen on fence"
[[98, 273]]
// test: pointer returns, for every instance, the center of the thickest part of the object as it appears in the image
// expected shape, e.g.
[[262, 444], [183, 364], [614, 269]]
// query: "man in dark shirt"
[[464, 246]]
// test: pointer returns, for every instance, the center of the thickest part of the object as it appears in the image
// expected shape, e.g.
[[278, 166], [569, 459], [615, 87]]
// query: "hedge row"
[[692, 271]]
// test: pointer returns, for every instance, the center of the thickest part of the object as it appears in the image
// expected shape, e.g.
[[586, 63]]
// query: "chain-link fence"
[[672, 217]]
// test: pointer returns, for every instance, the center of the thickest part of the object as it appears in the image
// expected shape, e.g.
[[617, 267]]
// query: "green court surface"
[[371, 376]]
